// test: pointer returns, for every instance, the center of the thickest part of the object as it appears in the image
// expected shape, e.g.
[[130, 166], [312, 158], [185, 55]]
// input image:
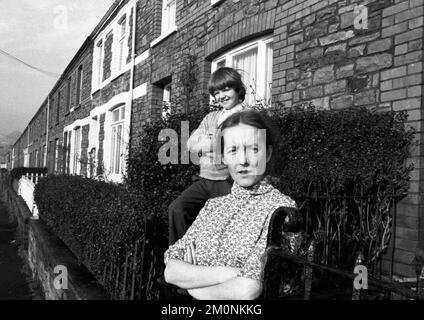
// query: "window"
[[166, 100], [99, 62], [44, 156], [79, 85], [68, 94], [122, 34], [26, 158], [77, 150], [56, 156], [36, 159], [117, 147], [93, 145], [168, 16], [67, 149], [254, 62]]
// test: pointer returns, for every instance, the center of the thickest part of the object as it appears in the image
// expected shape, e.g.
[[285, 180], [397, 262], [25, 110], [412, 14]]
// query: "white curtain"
[[246, 63], [268, 70]]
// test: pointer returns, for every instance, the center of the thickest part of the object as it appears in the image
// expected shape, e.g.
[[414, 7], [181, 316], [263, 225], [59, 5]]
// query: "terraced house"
[[145, 57]]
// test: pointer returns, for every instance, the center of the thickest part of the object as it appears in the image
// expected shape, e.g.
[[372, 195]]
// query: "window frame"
[[75, 137], [262, 45], [56, 156], [116, 140], [93, 143], [168, 17], [97, 81], [36, 158], [122, 50], [99, 62], [44, 156], [167, 28], [166, 100]]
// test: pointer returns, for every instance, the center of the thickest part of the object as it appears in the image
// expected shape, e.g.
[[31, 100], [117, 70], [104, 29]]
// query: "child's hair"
[[227, 77], [257, 120]]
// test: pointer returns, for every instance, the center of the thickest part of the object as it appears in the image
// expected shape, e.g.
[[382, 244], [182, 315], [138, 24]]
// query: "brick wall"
[[320, 57]]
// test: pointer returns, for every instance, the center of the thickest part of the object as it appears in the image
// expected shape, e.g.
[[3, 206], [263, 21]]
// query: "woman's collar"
[[259, 188]]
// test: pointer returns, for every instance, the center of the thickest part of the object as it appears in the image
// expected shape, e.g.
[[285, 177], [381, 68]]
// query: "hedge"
[[343, 152], [99, 221], [350, 152]]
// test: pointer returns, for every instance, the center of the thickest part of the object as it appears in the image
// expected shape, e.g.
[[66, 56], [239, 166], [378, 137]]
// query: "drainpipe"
[[47, 130], [130, 103]]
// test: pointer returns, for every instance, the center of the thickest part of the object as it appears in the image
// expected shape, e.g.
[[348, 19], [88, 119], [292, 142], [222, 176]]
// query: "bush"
[[155, 183], [343, 152], [17, 173], [98, 221]]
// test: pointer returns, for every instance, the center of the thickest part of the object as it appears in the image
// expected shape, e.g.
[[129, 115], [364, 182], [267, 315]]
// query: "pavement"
[[15, 284]]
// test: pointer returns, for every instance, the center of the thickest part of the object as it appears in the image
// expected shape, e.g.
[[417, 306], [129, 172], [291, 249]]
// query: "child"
[[226, 86]]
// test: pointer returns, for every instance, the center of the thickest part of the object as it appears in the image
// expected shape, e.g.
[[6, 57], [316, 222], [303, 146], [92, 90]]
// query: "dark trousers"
[[184, 210]]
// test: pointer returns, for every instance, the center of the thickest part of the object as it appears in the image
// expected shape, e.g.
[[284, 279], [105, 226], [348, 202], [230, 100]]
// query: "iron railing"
[[340, 232]]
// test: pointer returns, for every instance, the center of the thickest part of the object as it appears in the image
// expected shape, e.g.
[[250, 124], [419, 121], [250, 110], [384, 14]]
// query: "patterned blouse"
[[232, 230]]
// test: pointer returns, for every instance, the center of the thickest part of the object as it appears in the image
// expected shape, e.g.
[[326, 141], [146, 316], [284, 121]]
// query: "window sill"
[[163, 37], [116, 76], [215, 3]]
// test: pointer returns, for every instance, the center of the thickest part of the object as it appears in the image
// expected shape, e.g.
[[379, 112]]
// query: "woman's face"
[[227, 98], [245, 153]]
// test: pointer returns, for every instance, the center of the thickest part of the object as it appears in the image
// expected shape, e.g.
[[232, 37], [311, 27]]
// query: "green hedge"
[[99, 221]]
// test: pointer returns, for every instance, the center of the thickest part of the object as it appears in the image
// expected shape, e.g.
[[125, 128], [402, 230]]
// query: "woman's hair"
[[257, 120], [227, 77]]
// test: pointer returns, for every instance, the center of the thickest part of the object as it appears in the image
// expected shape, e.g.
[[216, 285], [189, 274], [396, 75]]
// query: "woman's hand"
[[190, 254]]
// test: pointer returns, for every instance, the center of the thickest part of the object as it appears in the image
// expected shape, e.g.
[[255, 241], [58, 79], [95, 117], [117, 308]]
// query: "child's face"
[[227, 98], [246, 154]]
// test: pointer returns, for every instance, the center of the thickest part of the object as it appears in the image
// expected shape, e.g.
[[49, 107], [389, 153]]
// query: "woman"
[[220, 256]]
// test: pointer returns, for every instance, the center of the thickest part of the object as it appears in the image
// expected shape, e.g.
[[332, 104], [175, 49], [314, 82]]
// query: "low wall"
[[44, 252]]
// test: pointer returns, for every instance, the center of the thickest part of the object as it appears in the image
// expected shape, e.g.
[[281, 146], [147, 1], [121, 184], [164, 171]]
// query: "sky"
[[45, 34]]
